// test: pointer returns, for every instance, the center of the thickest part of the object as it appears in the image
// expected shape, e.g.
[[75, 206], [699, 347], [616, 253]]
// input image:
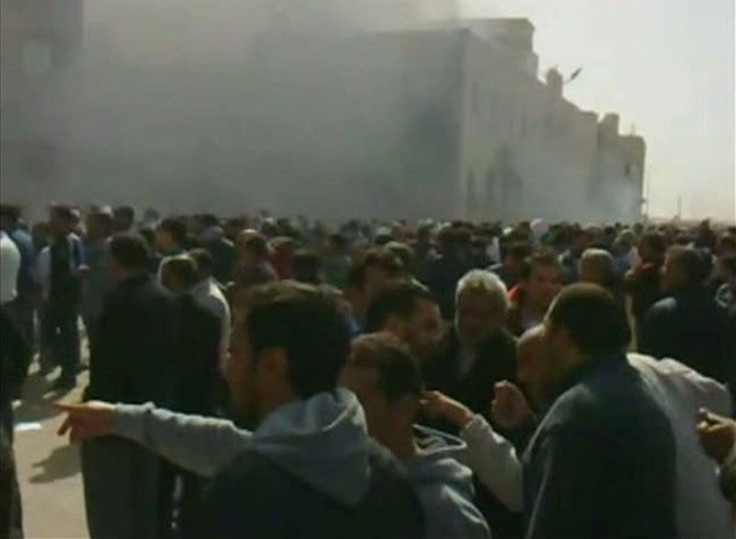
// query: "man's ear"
[[395, 326], [273, 364]]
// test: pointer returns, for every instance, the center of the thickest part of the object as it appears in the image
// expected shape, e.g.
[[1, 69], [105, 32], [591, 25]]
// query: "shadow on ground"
[[63, 462]]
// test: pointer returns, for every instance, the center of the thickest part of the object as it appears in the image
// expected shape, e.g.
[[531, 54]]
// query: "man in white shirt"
[[9, 268]]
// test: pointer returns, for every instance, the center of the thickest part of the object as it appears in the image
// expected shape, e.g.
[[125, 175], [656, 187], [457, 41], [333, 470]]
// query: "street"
[[48, 466]]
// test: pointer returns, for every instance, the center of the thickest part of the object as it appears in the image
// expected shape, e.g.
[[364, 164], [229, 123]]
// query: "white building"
[[442, 120]]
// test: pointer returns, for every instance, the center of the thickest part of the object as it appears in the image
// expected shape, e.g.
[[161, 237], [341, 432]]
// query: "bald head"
[[531, 362]]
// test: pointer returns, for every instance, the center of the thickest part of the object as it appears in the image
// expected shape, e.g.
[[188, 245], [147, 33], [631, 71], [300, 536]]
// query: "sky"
[[667, 66]]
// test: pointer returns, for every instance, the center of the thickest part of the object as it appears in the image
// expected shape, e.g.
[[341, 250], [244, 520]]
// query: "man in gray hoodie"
[[309, 469], [387, 380]]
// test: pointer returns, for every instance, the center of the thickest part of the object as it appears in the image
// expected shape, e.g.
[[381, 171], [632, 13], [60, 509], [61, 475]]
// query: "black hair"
[[181, 268], [307, 325], [176, 228], [400, 300], [257, 245], [381, 258], [130, 251], [542, 258], [596, 323], [203, 259], [399, 373], [307, 266], [695, 265]]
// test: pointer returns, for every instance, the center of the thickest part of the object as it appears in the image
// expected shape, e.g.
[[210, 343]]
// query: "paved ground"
[[48, 467]]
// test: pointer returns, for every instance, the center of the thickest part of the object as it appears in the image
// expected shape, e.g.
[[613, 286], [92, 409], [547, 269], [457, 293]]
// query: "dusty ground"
[[48, 467]]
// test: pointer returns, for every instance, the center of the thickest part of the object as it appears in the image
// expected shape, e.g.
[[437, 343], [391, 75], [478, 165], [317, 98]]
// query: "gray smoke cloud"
[[227, 105]]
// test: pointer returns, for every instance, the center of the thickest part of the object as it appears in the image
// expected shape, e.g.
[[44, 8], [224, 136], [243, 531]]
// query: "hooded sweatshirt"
[[310, 469], [445, 487], [205, 445]]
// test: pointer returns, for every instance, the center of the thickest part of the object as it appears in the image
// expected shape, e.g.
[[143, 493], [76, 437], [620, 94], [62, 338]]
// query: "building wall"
[[525, 151]]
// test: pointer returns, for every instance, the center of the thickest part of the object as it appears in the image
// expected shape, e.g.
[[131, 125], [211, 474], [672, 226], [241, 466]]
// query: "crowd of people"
[[270, 377]]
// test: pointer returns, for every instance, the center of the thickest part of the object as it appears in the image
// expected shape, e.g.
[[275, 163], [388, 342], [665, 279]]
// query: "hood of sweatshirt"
[[323, 441]]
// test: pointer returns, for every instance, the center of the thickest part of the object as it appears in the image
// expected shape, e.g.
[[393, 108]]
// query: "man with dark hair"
[[123, 219], [410, 313], [454, 261], [387, 380], [580, 240], [541, 281], [59, 271], [130, 362], [253, 266], [336, 263], [642, 284], [195, 380], [602, 462], [220, 248], [513, 256], [687, 325], [171, 239], [309, 469], [307, 267], [376, 270], [96, 277]]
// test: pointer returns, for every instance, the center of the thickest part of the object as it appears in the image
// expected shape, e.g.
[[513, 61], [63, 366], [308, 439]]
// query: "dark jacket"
[[496, 361], [131, 357], [442, 277], [602, 463], [312, 471], [224, 257], [196, 357], [690, 327]]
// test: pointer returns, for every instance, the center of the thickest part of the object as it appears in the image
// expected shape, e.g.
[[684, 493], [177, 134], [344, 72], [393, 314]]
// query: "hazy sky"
[[666, 66]]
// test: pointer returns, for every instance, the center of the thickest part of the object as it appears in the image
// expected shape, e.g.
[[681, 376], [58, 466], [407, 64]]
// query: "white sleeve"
[[201, 445], [494, 461]]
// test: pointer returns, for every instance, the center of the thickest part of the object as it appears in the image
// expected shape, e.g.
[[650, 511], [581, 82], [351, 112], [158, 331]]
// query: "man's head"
[[409, 312], [531, 364], [597, 267], [289, 342], [727, 268], [583, 325], [99, 225], [541, 279], [61, 220], [514, 255], [179, 274], [307, 267], [377, 270], [129, 256], [683, 267], [124, 218], [252, 248], [404, 253], [481, 306], [171, 235], [387, 380], [652, 248], [203, 260], [9, 216], [580, 240]]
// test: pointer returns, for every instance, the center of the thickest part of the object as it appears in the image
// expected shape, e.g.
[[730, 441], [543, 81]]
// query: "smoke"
[[225, 105]]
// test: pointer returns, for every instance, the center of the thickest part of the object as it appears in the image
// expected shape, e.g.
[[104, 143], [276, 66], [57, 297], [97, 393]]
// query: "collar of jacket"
[[586, 370]]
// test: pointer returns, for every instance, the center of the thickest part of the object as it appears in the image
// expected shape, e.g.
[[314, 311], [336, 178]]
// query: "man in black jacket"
[[196, 381], [130, 362], [602, 462], [311, 470], [688, 325]]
